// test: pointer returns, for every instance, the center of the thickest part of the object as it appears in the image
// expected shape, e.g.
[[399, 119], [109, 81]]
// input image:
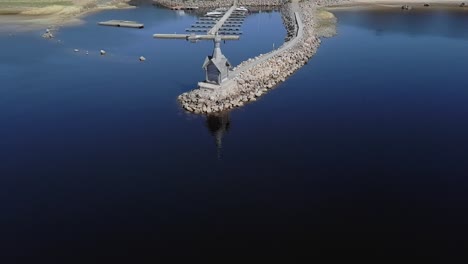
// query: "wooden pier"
[[217, 67], [122, 23], [220, 22]]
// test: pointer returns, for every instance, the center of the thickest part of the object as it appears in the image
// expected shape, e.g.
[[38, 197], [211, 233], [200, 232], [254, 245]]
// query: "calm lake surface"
[[363, 150]]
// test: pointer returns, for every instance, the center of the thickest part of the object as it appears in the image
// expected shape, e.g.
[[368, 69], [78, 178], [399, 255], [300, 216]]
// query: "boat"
[[214, 14], [242, 8]]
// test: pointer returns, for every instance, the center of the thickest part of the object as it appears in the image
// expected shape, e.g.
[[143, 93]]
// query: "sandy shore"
[[36, 14]]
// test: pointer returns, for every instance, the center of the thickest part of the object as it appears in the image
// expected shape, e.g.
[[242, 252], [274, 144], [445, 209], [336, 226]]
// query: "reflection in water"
[[218, 124]]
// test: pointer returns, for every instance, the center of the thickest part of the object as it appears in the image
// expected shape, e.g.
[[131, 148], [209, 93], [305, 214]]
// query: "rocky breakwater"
[[257, 76]]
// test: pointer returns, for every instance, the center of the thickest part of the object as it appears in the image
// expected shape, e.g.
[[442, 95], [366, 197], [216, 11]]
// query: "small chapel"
[[216, 66]]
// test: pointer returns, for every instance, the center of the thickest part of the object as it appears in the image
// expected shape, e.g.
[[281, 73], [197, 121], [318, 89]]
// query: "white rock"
[[103, 52], [142, 58]]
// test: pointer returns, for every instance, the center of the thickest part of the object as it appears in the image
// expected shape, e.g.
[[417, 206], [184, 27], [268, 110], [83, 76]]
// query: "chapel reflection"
[[218, 124]]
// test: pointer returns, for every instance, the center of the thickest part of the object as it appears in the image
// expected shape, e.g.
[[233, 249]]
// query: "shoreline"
[[35, 18], [51, 17], [416, 5]]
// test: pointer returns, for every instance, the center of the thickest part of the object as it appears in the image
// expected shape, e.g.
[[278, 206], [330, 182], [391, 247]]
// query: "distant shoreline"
[[449, 5], [51, 16], [25, 19]]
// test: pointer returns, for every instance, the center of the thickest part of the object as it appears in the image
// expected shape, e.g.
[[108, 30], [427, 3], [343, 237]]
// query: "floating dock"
[[227, 25], [184, 7], [214, 22], [192, 37], [220, 22], [221, 32], [210, 25], [202, 26], [229, 29], [197, 29], [122, 23], [216, 19]]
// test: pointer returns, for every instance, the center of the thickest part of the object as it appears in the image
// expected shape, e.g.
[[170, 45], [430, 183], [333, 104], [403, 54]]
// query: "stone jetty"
[[258, 75]]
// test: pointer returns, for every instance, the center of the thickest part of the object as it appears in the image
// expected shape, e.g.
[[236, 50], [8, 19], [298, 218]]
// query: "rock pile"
[[289, 22], [48, 34], [406, 7]]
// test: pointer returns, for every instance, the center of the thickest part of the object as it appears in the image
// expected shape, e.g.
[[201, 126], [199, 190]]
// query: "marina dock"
[[184, 7], [220, 22], [122, 23], [192, 37]]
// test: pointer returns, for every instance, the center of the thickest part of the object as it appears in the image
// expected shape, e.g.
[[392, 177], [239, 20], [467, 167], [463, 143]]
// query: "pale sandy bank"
[[19, 15]]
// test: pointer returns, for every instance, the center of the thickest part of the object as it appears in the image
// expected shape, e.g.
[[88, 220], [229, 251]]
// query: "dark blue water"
[[361, 153]]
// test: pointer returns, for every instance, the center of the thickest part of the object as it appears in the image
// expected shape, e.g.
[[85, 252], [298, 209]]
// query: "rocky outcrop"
[[48, 34]]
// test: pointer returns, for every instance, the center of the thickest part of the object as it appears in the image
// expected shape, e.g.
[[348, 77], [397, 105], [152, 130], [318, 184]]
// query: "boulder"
[[48, 35]]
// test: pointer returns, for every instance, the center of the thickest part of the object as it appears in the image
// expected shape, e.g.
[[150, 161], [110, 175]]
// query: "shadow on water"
[[218, 125], [440, 23]]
